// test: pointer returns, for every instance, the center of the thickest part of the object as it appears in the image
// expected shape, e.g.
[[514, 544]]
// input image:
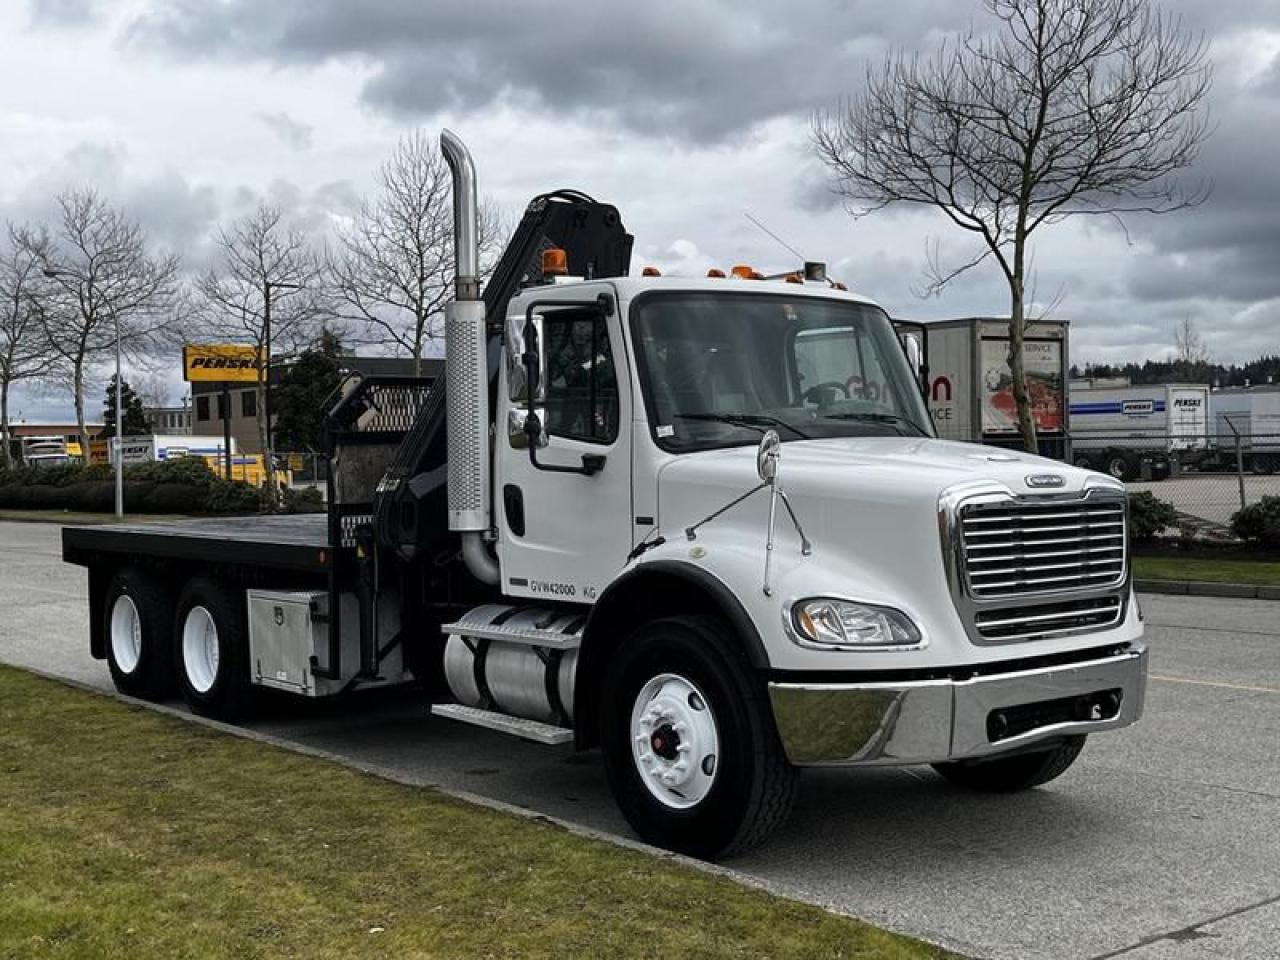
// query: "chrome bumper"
[[930, 721]]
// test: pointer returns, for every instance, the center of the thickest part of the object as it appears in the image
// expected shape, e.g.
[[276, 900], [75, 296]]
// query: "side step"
[[533, 626], [533, 730]]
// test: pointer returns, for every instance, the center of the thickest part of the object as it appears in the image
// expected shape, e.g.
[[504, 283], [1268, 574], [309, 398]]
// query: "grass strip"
[[128, 833], [1255, 572]]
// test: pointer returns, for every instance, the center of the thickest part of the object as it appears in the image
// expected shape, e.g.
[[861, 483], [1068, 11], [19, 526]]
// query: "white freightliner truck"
[[702, 524]]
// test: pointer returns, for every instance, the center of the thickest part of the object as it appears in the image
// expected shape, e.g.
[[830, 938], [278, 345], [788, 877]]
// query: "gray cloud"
[[701, 69], [60, 13], [294, 133]]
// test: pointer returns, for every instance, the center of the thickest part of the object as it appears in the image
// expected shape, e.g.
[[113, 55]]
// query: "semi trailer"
[[1116, 426], [702, 524]]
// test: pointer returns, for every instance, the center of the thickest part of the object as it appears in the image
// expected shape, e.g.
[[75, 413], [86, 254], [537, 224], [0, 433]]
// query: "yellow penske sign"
[[221, 362]]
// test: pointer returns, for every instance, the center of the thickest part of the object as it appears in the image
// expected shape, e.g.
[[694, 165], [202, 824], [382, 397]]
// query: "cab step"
[[534, 730], [546, 627]]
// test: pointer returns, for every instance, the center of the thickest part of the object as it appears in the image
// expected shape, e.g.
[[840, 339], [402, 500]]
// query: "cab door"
[[565, 535]]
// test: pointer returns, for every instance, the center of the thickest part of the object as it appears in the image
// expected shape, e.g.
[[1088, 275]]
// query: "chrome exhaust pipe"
[[466, 374]]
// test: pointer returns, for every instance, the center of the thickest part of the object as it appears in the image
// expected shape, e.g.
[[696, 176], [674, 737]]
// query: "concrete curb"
[[779, 890], [1208, 588]]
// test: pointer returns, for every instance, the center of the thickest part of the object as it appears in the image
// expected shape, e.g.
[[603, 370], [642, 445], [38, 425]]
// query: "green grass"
[[128, 833], [1259, 572]]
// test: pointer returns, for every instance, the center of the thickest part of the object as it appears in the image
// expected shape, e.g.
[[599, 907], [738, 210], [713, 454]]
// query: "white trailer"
[[1115, 425], [970, 386], [157, 447], [1251, 417]]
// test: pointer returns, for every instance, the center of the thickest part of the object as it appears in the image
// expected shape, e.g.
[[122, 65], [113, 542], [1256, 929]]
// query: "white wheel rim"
[[674, 741], [200, 649], [126, 634]]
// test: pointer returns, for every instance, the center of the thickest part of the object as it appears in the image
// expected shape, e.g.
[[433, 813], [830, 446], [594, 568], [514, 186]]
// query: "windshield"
[[719, 369]]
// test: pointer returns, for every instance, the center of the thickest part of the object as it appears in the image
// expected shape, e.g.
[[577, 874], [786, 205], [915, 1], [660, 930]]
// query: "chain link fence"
[[1206, 478]]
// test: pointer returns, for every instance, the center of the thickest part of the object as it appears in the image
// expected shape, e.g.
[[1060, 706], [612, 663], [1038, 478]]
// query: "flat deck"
[[298, 543]]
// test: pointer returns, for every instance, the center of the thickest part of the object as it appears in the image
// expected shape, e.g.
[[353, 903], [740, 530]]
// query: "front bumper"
[[931, 721]]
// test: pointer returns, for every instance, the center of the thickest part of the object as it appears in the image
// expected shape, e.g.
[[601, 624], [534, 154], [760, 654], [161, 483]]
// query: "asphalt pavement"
[[1161, 843]]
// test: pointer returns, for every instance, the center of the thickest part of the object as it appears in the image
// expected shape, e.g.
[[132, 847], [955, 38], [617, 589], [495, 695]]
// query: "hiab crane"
[[702, 524]]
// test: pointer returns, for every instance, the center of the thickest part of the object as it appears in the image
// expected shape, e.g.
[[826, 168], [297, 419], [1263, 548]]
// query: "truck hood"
[[871, 469], [869, 510]]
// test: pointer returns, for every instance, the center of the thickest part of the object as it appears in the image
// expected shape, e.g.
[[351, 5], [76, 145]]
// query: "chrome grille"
[[1027, 623], [1015, 548]]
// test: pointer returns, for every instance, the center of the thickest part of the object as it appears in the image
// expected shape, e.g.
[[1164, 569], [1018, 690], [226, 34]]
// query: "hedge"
[[1259, 523], [1149, 516], [183, 485]]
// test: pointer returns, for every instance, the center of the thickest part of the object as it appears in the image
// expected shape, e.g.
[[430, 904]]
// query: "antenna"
[[784, 243]]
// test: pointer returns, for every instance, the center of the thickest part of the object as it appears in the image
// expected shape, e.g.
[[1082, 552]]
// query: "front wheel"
[[690, 747], [1012, 774]]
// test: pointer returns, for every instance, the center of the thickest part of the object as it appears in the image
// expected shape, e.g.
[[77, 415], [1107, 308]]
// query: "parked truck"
[[1246, 427], [970, 386], [1117, 426], [703, 524]]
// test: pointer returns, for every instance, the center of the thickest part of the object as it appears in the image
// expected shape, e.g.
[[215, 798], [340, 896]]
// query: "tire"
[[689, 671], [136, 618], [1012, 774], [1121, 466], [1265, 464], [1084, 461], [211, 651]]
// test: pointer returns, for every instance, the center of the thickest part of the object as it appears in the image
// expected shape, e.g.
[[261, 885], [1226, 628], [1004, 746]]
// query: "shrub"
[[186, 470], [1149, 516], [305, 500], [232, 496], [1259, 523]]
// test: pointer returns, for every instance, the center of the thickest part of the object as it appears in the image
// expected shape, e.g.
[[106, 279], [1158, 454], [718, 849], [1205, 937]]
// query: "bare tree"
[[1191, 354], [1071, 107], [104, 281], [392, 270], [266, 291], [24, 351]]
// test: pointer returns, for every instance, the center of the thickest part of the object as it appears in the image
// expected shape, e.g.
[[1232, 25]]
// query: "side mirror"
[[526, 359], [767, 456], [915, 352]]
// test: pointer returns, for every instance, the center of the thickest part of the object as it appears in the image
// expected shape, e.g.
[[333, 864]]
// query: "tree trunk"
[[6, 455], [268, 468], [77, 387], [1017, 365]]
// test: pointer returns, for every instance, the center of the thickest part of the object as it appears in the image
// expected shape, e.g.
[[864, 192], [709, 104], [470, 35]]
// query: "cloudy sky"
[[688, 115]]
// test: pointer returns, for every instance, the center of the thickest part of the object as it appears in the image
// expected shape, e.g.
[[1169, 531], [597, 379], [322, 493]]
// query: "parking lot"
[[1162, 843]]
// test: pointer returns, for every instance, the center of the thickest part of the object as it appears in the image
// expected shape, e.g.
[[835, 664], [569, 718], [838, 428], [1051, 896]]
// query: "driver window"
[[581, 383], [835, 364]]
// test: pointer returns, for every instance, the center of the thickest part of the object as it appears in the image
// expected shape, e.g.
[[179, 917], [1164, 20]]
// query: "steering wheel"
[[818, 392]]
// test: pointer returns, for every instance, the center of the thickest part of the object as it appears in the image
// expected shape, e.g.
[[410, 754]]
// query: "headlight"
[[844, 623]]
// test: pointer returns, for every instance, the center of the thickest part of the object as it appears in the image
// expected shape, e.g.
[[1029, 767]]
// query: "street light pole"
[[269, 461], [119, 425]]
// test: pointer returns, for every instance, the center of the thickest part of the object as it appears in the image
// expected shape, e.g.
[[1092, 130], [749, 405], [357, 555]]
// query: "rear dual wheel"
[[138, 615], [211, 651]]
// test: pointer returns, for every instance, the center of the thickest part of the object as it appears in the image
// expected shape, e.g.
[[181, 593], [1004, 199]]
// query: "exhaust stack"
[[466, 373]]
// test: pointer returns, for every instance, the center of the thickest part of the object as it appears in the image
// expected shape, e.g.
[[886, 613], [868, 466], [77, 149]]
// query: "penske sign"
[[220, 362]]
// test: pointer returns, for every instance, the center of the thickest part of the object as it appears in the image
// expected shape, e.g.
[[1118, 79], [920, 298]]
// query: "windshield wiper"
[[892, 418], [755, 421]]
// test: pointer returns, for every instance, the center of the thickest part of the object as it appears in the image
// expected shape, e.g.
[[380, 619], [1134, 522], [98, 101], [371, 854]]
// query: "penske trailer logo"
[[221, 362]]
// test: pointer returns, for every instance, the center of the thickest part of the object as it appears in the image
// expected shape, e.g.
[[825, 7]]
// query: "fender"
[[662, 588]]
